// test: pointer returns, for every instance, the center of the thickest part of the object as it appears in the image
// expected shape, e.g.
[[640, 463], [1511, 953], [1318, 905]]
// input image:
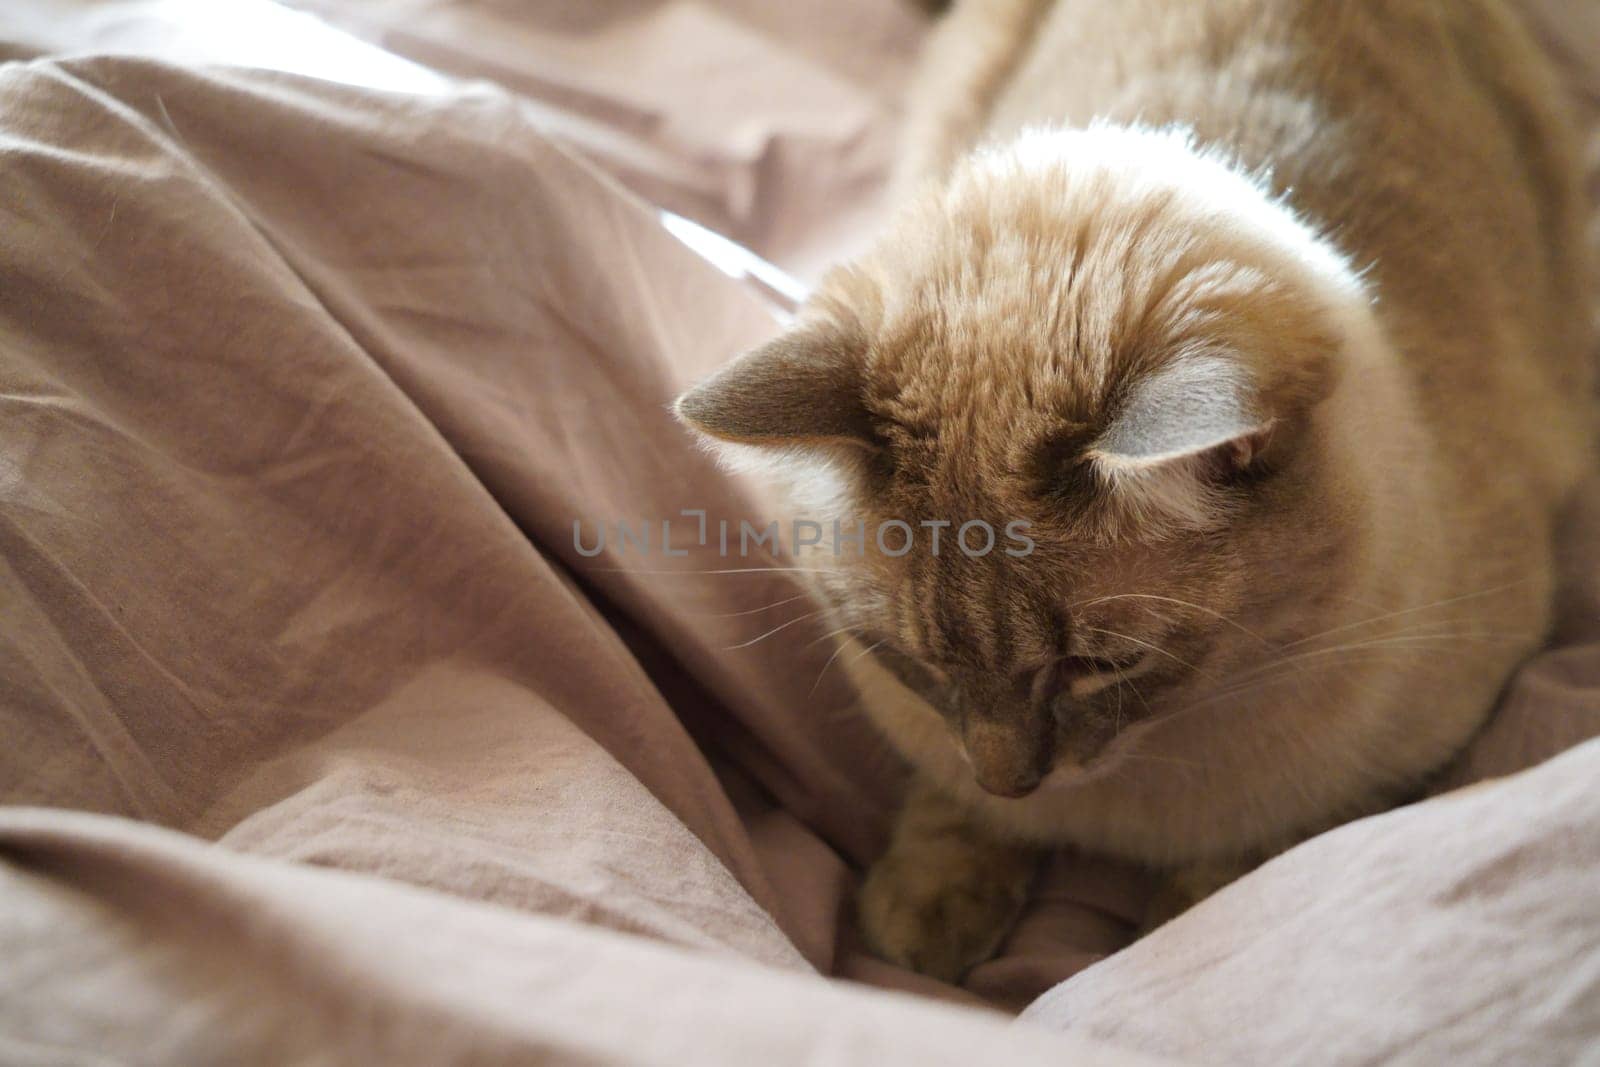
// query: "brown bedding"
[[302, 387]]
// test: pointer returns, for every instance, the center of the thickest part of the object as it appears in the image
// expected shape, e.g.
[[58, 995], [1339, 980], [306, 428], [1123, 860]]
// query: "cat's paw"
[[940, 919]]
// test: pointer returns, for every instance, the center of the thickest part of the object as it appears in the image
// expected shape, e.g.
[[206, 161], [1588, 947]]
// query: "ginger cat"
[[1266, 319]]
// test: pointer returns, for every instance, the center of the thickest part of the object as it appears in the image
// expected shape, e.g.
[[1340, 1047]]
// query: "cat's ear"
[[1199, 416], [805, 387]]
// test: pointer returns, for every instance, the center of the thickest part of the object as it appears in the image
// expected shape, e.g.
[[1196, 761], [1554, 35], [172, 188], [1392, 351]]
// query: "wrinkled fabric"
[[1463, 930], [302, 388], [130, 944], [771, 123]]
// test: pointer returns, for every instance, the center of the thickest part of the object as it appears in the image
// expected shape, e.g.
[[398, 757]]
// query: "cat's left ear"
[[1197, 416], [805, 387]]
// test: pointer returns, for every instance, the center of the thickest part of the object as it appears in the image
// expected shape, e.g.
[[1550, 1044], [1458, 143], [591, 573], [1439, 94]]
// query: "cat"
[[1267, 319]]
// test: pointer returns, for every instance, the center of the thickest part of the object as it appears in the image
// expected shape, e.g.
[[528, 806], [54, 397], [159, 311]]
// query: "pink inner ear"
[[1220, 461], [1197, 405], [1244, 450]]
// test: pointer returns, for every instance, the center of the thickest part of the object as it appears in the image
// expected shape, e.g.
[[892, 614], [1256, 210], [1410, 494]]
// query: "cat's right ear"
[[805, 387]]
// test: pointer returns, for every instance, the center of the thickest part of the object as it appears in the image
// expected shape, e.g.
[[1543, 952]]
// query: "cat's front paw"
[[940, 918]]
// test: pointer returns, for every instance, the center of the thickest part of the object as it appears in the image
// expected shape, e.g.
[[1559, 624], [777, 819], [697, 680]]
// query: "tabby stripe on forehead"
[[926, 591], [943, 622], [957, 607], [1060, 631], [1000, 623], [904, 625]]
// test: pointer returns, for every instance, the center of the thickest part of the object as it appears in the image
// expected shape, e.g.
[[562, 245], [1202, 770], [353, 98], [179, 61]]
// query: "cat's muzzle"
[[1009, 737]]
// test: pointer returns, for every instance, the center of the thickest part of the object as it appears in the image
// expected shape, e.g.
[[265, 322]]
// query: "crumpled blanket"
[[303, 390]]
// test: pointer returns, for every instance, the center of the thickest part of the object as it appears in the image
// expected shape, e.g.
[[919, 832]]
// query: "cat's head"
[[1108, 343]]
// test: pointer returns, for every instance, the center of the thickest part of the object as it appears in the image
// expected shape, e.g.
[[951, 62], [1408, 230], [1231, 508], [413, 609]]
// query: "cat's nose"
[[1010, 742], [1011, 784]]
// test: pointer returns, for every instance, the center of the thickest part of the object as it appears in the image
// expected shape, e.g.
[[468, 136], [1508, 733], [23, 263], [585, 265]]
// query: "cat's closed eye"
[[1084, 676]]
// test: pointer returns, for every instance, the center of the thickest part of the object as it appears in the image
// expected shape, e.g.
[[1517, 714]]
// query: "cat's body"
[[1289, 399]]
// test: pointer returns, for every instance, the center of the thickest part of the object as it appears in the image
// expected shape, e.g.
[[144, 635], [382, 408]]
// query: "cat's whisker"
[[841, 647], [1129, 683], [1294, 668], [1402, 638], [1411, 635], [775, 630], [1157, 649], [834, 633], [865, 652], [1240, 691], [1281, 669], [1189, 604], [1451, 628], [749, 611], [1413, 643], [1407, 611]]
